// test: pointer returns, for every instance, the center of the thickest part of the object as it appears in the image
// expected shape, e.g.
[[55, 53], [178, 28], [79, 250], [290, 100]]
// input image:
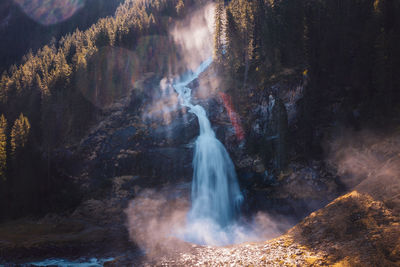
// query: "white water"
[[216, 195]]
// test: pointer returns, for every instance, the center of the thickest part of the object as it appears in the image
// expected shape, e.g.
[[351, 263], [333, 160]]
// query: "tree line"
[[349, 51], [47, 88], [353, 44]]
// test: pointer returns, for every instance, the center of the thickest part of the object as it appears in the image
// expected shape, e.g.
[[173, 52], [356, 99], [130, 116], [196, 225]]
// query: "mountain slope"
[[353, 230]]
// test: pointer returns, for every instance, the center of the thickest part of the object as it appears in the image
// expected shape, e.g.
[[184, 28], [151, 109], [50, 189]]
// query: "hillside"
[[56, 91], [352, 230], [195, 132]]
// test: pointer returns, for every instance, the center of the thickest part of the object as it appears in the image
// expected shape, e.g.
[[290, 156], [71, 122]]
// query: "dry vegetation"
[[353, 230]]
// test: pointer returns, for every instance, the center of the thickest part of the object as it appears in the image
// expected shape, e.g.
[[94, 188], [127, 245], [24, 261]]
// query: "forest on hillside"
[[295, 87], [46, 91], [347, 51]]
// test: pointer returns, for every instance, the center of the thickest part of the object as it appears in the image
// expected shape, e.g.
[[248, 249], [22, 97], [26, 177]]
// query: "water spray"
[[216, 195]]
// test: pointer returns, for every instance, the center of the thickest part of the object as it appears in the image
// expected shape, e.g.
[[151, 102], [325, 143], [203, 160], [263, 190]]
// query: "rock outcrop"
[[353, 230]]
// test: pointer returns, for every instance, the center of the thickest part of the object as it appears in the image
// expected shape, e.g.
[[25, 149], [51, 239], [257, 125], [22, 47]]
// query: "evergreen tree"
[[233, 43], [19, 134], [218, 36], [180, 6], [3, 147]]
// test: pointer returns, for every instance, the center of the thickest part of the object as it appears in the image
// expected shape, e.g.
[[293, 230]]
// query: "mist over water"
[[159, 221], [216, 195]]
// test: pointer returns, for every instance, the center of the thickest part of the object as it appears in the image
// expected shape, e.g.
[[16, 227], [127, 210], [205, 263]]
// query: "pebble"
[[273, 253]]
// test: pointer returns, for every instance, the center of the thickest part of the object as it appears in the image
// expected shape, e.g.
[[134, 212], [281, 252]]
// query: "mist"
[[158, 220], [369, 163], [157, 223], [193, 41], [152, 218], [194, 36]]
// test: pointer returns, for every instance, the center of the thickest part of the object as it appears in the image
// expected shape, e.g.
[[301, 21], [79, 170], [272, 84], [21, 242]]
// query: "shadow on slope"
[[353, 230]]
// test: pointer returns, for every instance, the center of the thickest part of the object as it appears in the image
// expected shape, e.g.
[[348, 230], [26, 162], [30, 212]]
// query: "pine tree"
[[19, 134], [3, 147], [4, 87], [179, 7], [233, 40], [218, 42]]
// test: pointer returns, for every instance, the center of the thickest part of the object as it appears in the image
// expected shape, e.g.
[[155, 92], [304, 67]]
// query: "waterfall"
[[216, 195]]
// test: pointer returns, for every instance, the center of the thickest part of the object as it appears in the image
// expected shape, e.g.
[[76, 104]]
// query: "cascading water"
[[216, 195]]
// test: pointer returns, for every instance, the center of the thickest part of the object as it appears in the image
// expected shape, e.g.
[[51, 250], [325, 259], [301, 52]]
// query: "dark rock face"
[[269, 133], [278, 130], [130, 151], [128, 141], [295, 193]]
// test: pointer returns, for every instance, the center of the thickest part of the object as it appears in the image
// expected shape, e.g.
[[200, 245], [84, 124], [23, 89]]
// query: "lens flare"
[[233, 116], [112, 72], [194, 36], [108, 76], [48, 12]]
